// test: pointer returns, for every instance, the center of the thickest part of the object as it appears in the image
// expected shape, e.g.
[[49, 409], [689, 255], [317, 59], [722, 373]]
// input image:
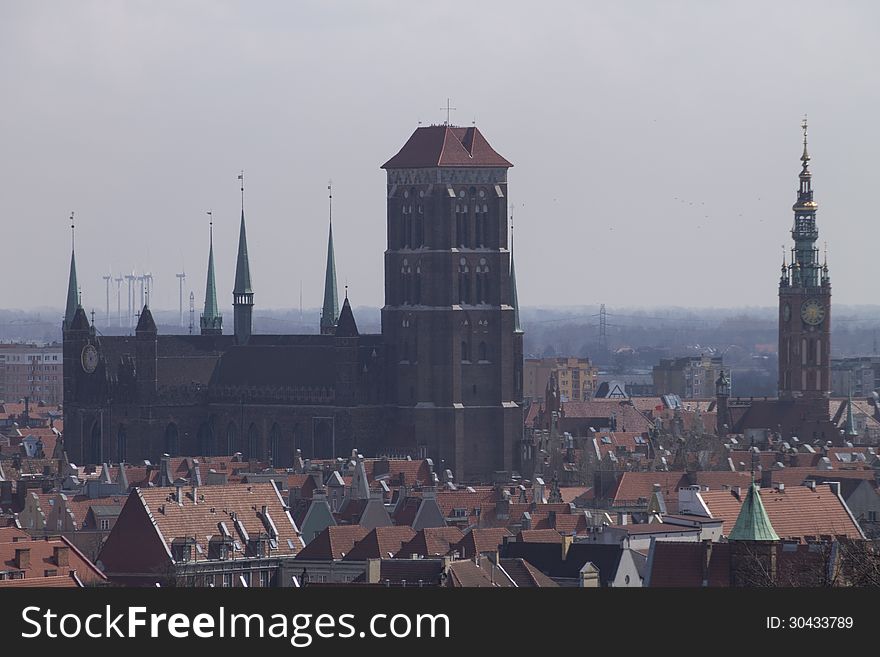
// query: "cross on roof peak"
[[448, 109]]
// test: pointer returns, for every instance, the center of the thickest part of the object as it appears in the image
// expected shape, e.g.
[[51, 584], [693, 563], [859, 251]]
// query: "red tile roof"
[[411, 471], [380, 543], [469, 575], [525, 574], [333, 543], [446, 146], [430, 542], [216, 504], [42, 559], [477, 541], [795, 512], [539, 536], [637, 487]]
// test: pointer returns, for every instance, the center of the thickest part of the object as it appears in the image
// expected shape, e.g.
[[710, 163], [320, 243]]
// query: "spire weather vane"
[[241, 178]]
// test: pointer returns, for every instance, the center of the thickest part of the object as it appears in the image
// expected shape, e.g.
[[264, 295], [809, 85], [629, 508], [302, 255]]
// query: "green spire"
[[211, 321], [242, 267], [752, 524], [72, 288], [514, 301], [330, 309], [851, 430]]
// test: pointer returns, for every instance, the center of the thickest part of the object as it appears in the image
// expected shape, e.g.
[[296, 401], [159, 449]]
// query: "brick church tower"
[[450, 321], [804, 304]]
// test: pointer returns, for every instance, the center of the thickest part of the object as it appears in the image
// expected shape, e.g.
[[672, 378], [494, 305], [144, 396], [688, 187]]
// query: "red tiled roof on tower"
[[446, 146]]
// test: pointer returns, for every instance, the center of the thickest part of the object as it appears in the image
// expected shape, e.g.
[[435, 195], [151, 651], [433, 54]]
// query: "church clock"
[[89, 358], [812, 312]]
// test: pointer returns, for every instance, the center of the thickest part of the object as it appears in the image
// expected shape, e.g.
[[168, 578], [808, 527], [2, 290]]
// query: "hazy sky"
[[139, 115]]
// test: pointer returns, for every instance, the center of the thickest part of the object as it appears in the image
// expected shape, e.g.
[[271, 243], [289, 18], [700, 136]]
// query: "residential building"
[[689, 377], [577, 377], [31, 371], [235, 535]]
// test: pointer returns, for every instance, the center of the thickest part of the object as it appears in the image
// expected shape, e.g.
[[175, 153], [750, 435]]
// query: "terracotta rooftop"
[[42, 564], [333, 543], [380, 543], [200, 519], [430, 542], [796, 512], [446, 146], [476, 541]]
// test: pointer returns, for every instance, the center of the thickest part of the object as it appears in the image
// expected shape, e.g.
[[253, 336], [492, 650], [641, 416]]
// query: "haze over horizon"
[[655, 145]]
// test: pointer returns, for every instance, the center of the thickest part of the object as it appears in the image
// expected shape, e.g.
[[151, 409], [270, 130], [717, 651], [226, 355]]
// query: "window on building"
[[105, 524], [465, 351], [264, 579], [227, 580]]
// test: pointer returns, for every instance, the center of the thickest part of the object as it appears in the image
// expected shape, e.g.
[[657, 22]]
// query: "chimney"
[[178, 486], [374, 571], [61, 555], [811, 484], [22, 558]]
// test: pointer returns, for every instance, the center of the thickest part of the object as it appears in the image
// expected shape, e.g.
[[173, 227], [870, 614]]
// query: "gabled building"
[[224, 536]]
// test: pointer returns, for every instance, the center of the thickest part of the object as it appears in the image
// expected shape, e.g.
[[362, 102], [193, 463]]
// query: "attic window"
[[606, 440], [459, 513]]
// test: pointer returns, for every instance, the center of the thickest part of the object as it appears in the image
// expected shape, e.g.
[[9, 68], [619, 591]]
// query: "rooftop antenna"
[[448, 109], [72, 232], [192, 311]]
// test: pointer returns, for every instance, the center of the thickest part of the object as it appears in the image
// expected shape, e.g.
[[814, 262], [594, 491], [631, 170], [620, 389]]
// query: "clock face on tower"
[[812, 312], [89, 358]]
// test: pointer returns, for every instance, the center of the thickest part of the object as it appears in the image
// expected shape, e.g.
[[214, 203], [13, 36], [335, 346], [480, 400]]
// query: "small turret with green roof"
[[753, 524]]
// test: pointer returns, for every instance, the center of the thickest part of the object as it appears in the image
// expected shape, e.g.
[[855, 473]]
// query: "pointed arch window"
[[461, 212], [417, 285], [483, 352], [482, 282], [465, 351], [406, 282], [253, 442], [231, 434], [464, 282], [121, 443]]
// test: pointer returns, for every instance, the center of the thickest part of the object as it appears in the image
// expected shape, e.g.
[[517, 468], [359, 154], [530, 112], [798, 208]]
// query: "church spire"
[[514, 300], [242, 293], [805, 255], [211, 320], [752, 523], [73, 300], [330, 309]]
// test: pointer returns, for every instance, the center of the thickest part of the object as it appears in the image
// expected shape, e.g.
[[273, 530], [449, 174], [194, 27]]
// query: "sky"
[[655, 145]]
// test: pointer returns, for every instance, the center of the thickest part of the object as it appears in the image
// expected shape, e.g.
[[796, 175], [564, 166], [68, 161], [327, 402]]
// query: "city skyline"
[[141, 141]]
